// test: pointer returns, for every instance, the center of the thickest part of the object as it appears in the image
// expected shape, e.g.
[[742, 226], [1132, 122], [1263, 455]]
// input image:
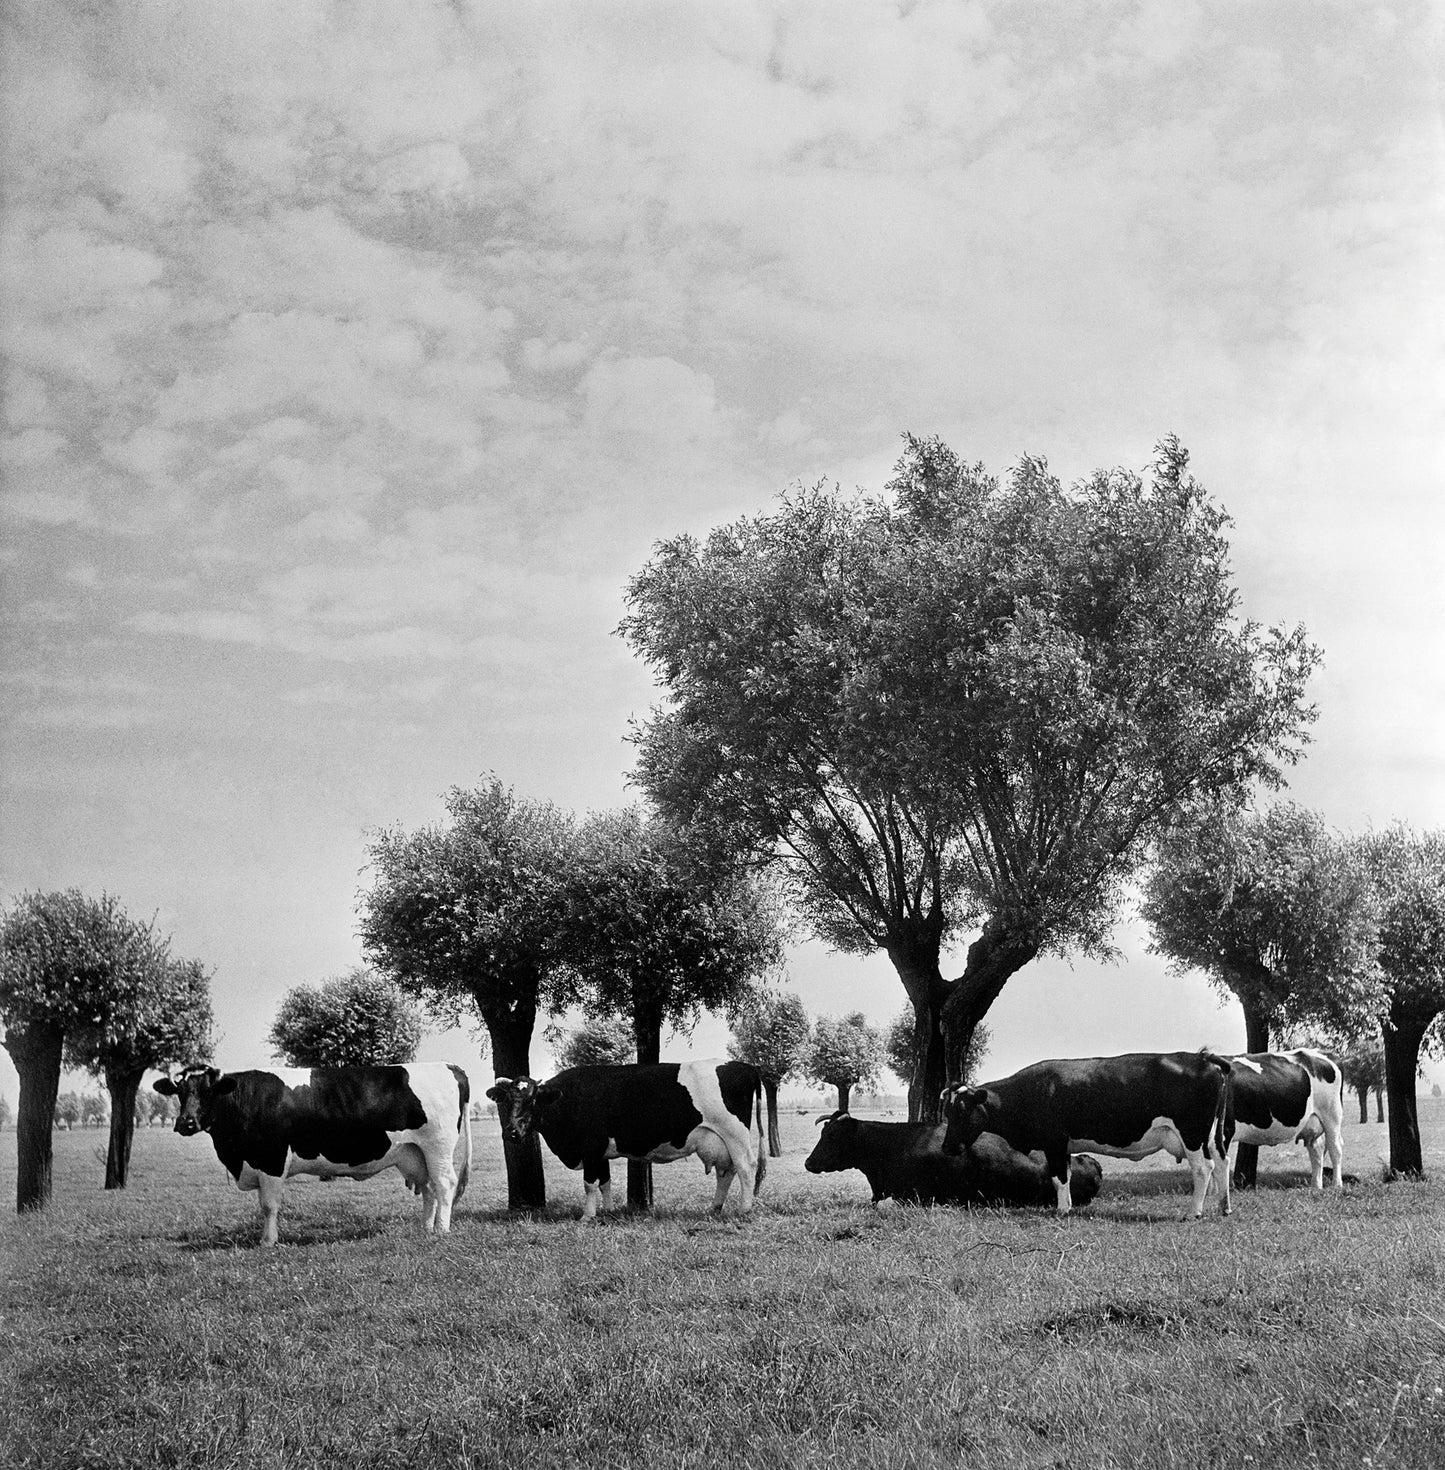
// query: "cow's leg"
[[1335, 1144], [269, 1188], [595, 1180], [441, 1191], [1061, 1163], [1205, 1169], [724, 1183], [1311, 1142]]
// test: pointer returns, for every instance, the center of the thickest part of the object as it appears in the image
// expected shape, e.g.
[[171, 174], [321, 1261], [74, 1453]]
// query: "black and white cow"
[[906, 1161], [1127, 1106], [1291, 1097], [655, 1113], [336, 1122]]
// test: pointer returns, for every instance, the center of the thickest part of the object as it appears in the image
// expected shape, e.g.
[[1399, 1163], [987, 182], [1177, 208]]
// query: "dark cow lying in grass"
[[335, 1122], [1128, 1106], [651, 1113], [906, 1161], [1291, 1097]]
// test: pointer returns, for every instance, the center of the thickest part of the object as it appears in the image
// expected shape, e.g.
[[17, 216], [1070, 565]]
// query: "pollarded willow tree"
[[660, 926], [1277, 912], [770, 1029], [844, 1052], [1407, 871], [964, 707], [466, 915]]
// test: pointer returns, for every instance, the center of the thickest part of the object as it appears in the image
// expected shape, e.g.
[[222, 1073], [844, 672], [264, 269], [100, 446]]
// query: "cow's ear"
[[166, 1087], [223, 1085], [499, 1089]]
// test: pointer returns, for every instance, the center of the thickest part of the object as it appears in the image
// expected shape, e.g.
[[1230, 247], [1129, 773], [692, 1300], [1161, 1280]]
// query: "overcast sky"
[[357, 354]]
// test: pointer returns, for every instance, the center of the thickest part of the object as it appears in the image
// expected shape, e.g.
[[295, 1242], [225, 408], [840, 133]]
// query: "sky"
[[356, 355]]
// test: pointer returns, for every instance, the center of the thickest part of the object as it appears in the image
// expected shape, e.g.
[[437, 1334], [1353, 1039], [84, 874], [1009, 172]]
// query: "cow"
[[1127, 1106], [1291, 1097], [336, 1122], [906, 1161], [656, 1113]]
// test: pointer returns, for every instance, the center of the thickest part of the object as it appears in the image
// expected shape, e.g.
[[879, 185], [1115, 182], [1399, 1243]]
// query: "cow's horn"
[[502, 1082]]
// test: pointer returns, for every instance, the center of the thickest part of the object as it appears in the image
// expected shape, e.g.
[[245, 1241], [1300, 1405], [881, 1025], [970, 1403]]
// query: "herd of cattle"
[[1024, 1140]]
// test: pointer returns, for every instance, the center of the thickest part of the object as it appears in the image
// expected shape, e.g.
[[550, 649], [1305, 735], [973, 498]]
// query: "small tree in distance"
[[844, 1052], [898, 1048], [354, 1020], [1364, 1067], [770, 1030], [599, 1041]]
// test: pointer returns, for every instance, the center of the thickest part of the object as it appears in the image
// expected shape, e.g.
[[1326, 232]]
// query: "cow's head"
[[966, 1111], [516, 1100], [198, 1088], [833, 1151]]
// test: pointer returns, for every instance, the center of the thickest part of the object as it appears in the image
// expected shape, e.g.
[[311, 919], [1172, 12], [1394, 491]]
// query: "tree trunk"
[[1364, 1093], [36, 1054], [123, 1087], [1379, 1104], [1403, 1033], [916, 962], [775, 1138], [844, 1089], [647, 1033], [511, 1036], [1256, 1039], [993, 958]]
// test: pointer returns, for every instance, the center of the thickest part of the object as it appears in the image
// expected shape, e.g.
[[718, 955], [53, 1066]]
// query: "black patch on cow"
[[343, 1114], [1278, 1093]]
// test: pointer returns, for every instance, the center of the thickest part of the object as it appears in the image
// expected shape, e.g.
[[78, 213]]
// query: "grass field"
[[140, 1329]]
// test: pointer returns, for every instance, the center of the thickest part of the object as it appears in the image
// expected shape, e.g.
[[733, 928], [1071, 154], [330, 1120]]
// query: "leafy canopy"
[[964, 700], [844, 1051], [770, 1029], [353, 1020], [1273, 908]]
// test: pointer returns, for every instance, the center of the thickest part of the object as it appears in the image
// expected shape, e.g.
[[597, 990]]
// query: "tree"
[[1364, 1067], [599, 1041], [358, 1019], [770, 1029], [67, 1110], [1275, 911], [898, 1044], [64, 959], [658, 929], [5, 1113], [844, 1052], [466, 916], [159, 1018], [93, 1109], [964, 706], [1407, 869]]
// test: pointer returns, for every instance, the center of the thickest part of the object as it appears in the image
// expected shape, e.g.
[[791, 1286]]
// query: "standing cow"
[[907, 1161], [653, 1113], [335, 1122], [1127, 1106], [1291, 1097]]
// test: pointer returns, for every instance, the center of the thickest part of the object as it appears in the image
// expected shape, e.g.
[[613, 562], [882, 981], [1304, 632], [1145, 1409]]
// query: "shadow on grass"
[[246, 1235]]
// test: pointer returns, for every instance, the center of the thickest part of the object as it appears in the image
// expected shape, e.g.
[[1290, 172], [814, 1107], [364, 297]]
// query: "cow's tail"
[[762, 1168], [464, 1127], [1224, 1107]]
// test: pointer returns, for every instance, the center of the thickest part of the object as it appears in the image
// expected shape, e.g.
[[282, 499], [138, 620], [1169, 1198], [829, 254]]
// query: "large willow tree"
[[960, 710]]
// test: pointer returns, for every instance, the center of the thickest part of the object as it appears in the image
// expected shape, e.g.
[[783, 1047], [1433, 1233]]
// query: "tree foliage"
[[844, 1052], [962, 707], [1274, 910], [466, 915], [770, 1029], [352, 1020]]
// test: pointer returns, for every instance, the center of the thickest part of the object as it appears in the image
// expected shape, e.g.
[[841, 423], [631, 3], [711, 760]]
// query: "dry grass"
[[142, 1329]]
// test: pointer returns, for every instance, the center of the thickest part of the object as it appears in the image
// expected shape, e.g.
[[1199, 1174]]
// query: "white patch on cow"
[[1245, 1062], [701, 1081]]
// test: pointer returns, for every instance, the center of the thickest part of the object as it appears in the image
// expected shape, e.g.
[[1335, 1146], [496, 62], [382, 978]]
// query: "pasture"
[[140, 1329]]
